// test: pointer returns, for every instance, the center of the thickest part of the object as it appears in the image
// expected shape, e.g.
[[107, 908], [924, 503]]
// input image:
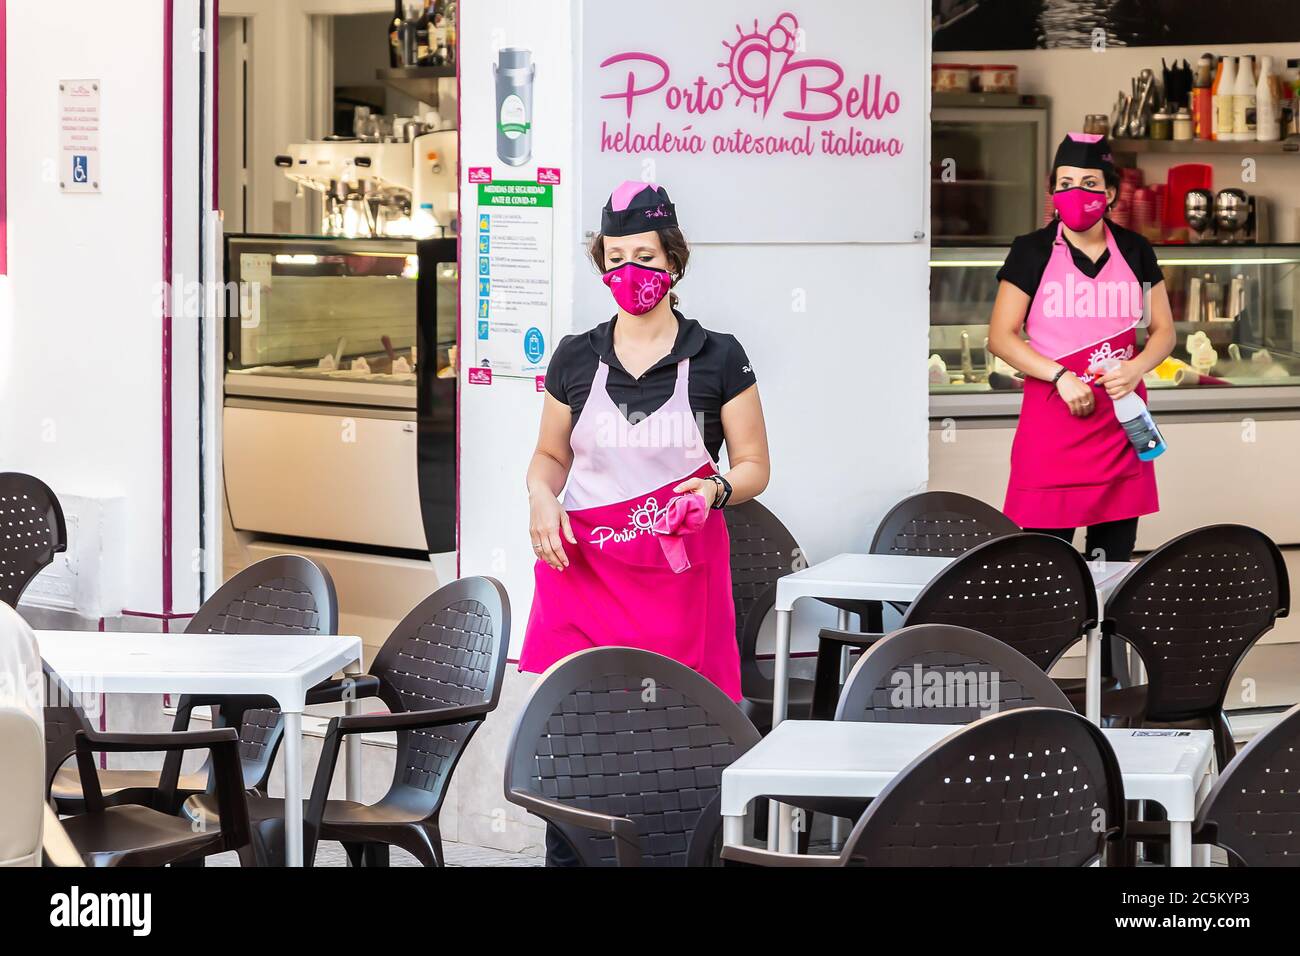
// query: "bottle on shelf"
[[1268, 120], [1223, 98], [451, 32], [437, 32], [1203, 98], [1243, 100]]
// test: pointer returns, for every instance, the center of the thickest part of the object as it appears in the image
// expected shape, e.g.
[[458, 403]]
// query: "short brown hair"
[[675, 248]]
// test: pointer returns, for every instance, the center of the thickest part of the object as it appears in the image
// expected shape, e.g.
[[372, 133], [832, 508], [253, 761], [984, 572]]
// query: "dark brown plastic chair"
[[440, 674], [64, 721], [1193, 608], [622, 751], [936, 524], [1253, 811], [285, 594], [959, 656], [32, 532], [762, 551], [1031, 591], [972, 666], [134, 835], [1024, 787]]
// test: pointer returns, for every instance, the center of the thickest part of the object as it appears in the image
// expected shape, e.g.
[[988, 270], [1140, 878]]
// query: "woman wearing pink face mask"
[[635, 414], [1080, 288], [636, 554]]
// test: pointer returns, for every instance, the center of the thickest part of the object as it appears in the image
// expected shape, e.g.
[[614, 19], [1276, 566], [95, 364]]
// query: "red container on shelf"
[[1144, 209]]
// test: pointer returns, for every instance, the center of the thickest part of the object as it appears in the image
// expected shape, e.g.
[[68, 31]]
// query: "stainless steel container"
[[514, 72]]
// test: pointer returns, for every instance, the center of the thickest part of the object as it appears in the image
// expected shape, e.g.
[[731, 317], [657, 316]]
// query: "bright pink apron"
[[1069, 472], [620, 588]]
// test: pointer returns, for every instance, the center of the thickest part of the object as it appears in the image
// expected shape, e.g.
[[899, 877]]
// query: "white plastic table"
[[821, 758], [278, 666], [901, 577], [898, 577]]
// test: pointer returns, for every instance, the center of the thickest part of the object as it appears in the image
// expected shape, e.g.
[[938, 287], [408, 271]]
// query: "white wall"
[[841, 375], [80, 330], [498, 422], [1081, 81]]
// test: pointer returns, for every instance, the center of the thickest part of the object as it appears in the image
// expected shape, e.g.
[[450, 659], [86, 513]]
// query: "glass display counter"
[[1235, 315]]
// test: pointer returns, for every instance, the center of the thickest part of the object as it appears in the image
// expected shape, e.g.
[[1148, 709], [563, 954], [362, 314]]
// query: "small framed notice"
[[79, 136]]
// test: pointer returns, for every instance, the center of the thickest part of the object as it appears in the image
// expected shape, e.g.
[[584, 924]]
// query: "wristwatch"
[[724, 491]]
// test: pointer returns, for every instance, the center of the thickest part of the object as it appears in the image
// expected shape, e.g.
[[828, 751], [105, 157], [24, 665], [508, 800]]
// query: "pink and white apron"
[[628, 585], [1069, 472]]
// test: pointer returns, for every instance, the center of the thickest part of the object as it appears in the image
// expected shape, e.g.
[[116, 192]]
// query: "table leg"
[[733, 831], [1092, 694], [779, 819], [1201, 851], [1180, 842], [352, 743], [837, 823], [292, 787]]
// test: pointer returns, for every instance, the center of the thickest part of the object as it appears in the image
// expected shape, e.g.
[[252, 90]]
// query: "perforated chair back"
[[1032, 591], [32, 532], [1036, 786], [939, 524], [449, 651], [943, 674], [1253, 811], [762, 551], [284, 594], [634, 735], [1193, 608]]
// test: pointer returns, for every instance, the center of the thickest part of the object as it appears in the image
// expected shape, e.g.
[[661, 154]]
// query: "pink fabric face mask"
[[1080, 208], [637, 289]]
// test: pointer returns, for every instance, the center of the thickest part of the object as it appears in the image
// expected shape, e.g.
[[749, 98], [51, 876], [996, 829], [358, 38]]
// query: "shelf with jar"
[[1228, 105]]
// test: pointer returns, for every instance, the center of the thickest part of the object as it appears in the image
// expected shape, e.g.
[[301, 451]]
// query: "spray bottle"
[[514, 72], [1136, 421]]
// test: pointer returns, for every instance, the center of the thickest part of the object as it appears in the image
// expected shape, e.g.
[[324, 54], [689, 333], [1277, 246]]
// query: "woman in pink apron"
[[1080, 288], [636, 412]]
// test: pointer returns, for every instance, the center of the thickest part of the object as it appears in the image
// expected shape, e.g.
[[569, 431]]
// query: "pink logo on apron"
[[628, 584], [1069, 472]]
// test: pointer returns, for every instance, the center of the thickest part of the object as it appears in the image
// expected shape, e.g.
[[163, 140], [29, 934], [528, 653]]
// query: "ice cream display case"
[[340, 390], [1235, 314]]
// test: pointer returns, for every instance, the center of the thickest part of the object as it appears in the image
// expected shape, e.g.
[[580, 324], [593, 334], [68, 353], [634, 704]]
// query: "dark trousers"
[[1108, 541], [558, 851]]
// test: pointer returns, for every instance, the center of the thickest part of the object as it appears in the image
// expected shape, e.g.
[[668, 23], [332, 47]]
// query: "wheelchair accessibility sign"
[[79, 128]]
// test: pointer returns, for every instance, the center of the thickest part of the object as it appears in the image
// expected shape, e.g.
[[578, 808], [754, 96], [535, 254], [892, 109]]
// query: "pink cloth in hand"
[[683, 515]]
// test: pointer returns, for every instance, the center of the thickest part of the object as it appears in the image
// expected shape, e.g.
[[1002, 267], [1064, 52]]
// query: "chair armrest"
[[354, 687], [409, 719], [116, 742], [627, 844], [221, 743], [756, 857], [833, 635], [57, 849]]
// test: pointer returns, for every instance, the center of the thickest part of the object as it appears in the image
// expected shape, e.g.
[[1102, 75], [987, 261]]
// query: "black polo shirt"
[[1027, 260], [720, 370]]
